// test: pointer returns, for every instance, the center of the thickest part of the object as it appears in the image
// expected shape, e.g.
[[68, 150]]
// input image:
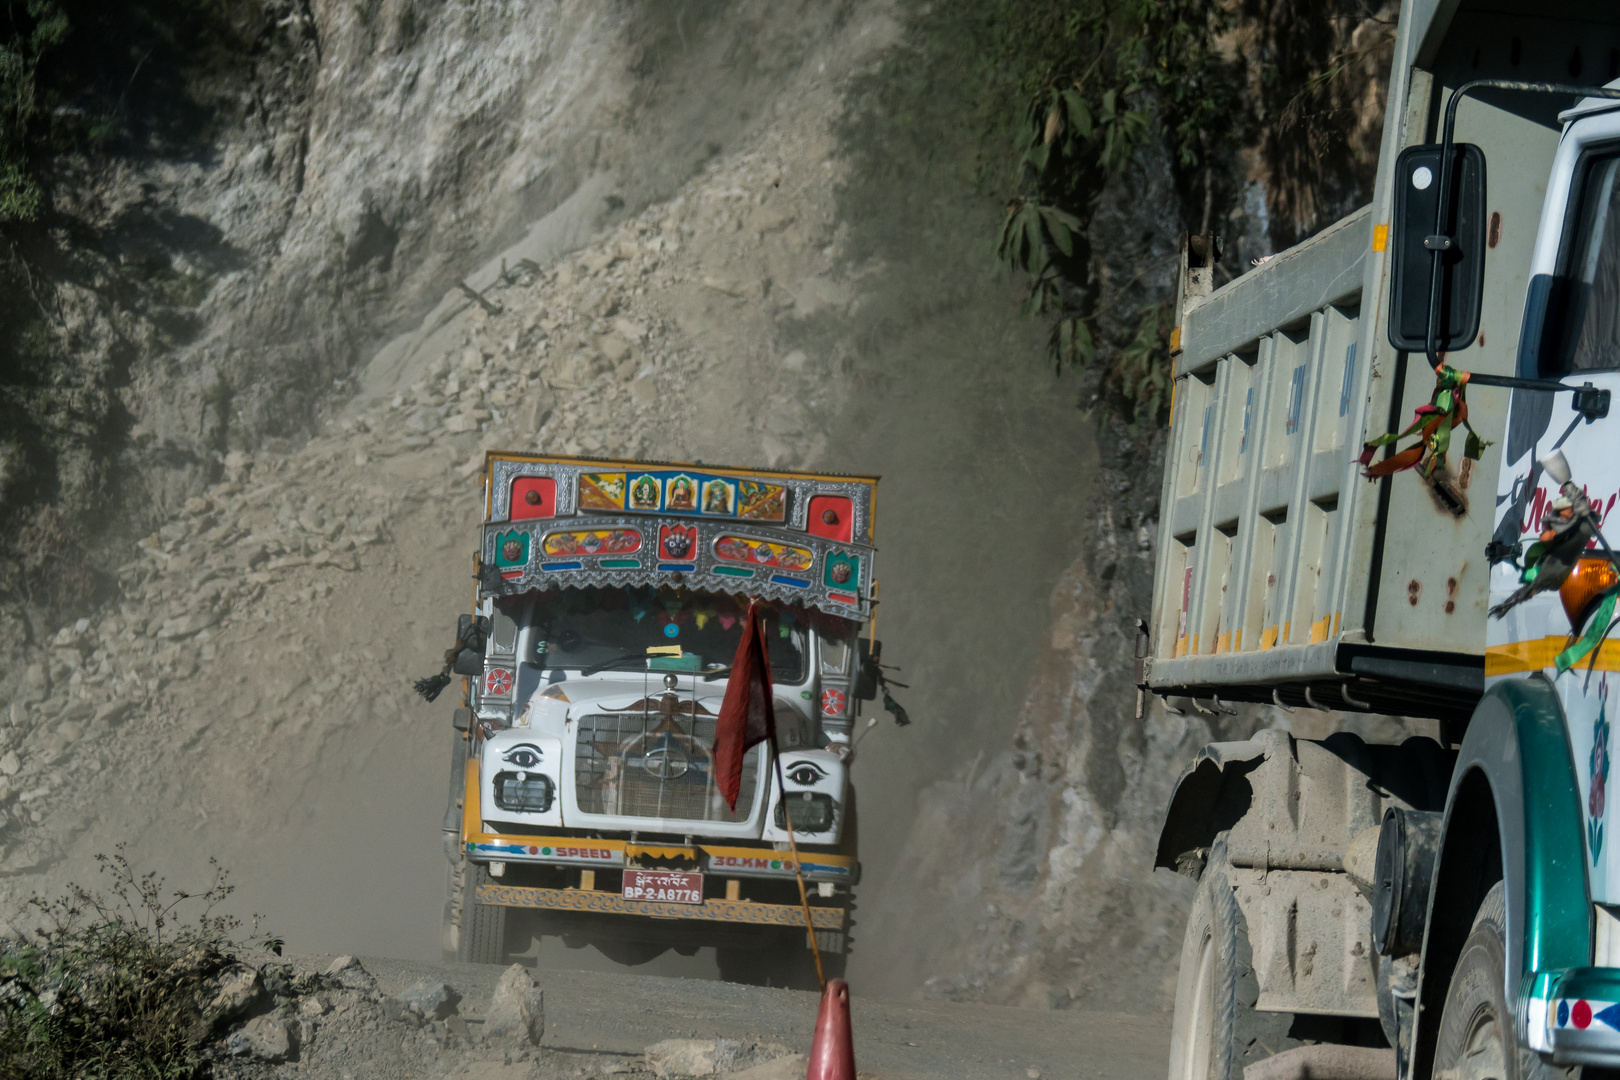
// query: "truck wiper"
[[605, 664]]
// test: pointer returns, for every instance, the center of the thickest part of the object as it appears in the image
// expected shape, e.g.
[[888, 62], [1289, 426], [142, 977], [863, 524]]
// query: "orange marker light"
[[1590, 579]]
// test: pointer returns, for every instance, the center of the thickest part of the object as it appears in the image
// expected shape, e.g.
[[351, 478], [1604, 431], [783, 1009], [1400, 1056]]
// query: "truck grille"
[[655, 766]]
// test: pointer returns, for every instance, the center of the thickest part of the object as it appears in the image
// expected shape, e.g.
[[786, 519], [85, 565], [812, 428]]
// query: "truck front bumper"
[[1580, 1016], [712, 909], [725, 860]]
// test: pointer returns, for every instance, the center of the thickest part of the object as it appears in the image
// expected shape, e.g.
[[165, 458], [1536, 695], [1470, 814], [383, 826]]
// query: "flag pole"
[[798, 871]]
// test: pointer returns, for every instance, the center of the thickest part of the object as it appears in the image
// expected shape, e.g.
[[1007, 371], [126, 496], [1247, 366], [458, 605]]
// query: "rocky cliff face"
[[368, 155]]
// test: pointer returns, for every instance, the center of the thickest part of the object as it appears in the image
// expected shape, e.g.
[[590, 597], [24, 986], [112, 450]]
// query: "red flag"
[[747, 715]]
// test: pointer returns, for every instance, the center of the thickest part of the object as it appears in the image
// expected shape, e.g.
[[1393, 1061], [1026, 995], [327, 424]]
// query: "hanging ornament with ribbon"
[[1434, 424]]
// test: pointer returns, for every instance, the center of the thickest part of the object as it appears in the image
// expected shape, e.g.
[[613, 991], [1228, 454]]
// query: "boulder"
[[683, 1057], [235, 991], [266, 1038], [350, 974], [434, 1000], [518, 1007]]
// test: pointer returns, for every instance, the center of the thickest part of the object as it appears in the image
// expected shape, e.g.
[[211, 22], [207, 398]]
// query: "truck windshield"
[[583, 628], [1586, 315]]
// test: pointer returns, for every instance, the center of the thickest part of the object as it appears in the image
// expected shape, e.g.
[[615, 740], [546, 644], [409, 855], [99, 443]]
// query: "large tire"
[[1217, 1032], [481, 938], [1475, 1040]]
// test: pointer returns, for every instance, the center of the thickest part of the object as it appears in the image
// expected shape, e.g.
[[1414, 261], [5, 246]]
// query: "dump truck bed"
[[1282, 574]]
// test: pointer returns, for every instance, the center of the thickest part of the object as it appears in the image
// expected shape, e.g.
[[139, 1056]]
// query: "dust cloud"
[[813, 296]]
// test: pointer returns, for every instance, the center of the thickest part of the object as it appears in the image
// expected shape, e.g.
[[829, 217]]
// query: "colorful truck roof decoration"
[[561, 522]]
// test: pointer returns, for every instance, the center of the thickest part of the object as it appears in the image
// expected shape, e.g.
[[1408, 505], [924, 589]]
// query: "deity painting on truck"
[[717, 498], [646, 493], [682, 494]]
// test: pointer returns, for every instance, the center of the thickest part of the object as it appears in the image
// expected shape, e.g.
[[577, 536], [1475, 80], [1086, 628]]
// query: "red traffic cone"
[[832, 1055]]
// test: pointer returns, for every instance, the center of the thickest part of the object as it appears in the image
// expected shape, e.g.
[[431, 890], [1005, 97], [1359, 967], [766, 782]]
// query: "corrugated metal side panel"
[[1260, 448]]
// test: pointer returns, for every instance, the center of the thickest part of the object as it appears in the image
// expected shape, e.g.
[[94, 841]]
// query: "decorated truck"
[[611, 598], [1390, 464]]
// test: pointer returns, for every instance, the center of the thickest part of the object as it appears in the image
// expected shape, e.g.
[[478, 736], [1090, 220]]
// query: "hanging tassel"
[[1597, 629], [1433, 423], [431, 686]]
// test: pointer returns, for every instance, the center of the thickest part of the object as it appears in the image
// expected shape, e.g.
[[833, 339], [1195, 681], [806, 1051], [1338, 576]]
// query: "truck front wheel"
[[481, 935], [1476, 1040], [1217, 1031]]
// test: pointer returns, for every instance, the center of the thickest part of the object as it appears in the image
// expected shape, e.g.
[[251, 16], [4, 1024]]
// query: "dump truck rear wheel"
[[482, 935], [1217, 1031], [1476, 1039]]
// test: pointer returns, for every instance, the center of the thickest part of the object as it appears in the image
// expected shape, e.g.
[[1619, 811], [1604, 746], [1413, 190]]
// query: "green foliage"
[[73, 71], [116, 985], [35, 31], [1109, 76], [1221, 88]]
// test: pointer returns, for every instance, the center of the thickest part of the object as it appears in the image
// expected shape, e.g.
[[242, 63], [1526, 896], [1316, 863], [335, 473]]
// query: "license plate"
[[667, 886]]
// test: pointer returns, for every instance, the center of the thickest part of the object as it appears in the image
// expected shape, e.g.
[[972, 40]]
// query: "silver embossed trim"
[[500, 509]]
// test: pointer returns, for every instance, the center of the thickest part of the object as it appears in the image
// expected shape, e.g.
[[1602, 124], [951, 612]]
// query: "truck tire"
[[482, 935], [1217, 1031], [1476, 1039]]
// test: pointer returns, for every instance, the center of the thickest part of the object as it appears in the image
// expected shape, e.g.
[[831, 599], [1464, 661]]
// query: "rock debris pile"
[[284, 609], [289, 1019]]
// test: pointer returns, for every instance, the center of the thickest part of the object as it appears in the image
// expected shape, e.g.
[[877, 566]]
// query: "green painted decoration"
[[511, 549], [843, 571]]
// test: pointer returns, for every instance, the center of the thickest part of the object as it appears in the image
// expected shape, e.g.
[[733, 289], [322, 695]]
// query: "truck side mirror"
[[866, 672], [472, 634], [461, 719], [1414, 240]]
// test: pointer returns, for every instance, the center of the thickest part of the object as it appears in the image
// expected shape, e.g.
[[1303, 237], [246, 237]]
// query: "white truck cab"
[[584, 803]]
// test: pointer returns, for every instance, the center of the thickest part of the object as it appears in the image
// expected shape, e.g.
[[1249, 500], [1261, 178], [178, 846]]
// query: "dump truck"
[[1447, 904], [611, 597]]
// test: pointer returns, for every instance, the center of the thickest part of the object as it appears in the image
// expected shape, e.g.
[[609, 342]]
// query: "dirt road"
[[600, 1023]]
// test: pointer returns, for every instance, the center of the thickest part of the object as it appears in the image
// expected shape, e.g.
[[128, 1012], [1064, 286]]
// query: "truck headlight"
[[524, 792], [810, 811]]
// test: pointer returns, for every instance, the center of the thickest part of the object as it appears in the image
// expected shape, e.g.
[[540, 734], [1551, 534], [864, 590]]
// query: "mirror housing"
[[866, 670], [461, 719], [471, 632], [1413, 242]]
